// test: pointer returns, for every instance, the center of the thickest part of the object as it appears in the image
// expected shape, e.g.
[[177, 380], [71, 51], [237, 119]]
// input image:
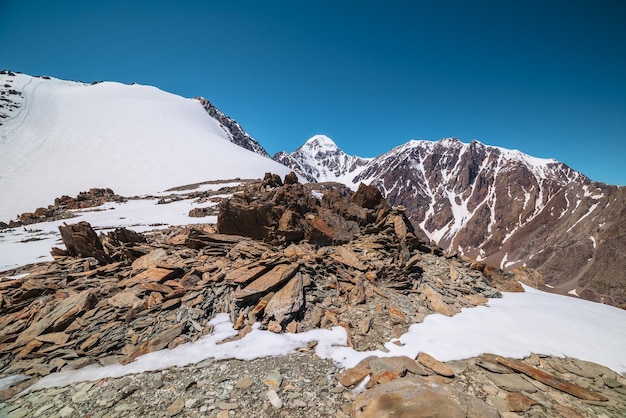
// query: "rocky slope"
[[511, 210], [298, 262], [233, 130]]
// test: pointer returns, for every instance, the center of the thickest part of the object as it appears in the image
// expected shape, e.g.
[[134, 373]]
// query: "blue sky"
[[545, 77]]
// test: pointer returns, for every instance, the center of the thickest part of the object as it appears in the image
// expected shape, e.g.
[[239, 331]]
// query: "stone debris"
[[294, 263], [61, 209], [552, 381]]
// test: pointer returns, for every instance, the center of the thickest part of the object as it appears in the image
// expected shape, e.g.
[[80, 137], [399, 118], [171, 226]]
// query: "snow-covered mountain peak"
[[320, 144], [320, 159]]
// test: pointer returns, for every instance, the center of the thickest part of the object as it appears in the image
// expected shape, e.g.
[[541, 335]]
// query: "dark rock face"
[[291, 178], [282, 212], [82, 241], [238, 217], [369, 197], [233, 129]]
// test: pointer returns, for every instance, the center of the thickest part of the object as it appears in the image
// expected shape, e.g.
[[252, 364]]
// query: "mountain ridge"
[[508, 209]]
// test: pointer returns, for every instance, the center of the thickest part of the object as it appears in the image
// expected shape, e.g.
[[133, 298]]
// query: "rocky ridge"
[[232, 129], [345, 259]]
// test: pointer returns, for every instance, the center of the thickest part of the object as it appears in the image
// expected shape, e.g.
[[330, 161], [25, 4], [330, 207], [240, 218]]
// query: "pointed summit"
[[319, 159], [320, 143]]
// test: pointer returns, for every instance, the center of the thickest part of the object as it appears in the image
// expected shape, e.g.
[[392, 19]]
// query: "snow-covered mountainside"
[[320, 159], [62, 137], [508, 209]]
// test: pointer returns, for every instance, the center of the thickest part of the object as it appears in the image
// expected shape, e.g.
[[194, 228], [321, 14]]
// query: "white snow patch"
[[317, 194], [591, 209], [15, 277], [573, 292], [7, 382], [593, 240], [590, 194]]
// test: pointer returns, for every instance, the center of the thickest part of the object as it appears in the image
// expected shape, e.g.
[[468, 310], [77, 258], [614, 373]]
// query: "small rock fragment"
[[274, 399]]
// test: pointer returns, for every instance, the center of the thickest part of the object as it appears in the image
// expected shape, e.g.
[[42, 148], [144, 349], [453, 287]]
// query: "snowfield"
[[68, 137]]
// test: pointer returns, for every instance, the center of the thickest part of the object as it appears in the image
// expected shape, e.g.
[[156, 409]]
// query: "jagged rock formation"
[[319, 160], [232, 129], [114, 297], [511, 210]]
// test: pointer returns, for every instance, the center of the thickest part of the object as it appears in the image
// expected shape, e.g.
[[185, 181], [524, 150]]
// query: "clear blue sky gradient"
[[545, 77]]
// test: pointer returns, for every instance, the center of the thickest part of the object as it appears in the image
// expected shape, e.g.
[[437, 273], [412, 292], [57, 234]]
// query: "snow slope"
[[67, 137]]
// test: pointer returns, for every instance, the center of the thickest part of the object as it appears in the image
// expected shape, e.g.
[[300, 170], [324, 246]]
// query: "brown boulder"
[[291, 178], [200, 212], [518, 402], [329, 228], [240, 218], [271, 180], [81, 241], [434, 365], [436, 302], [287, 300], [355, 374], [270, 280], [369, 197], [415, 397], [291, 226]]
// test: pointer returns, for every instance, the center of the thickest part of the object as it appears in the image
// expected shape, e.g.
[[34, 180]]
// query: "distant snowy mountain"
[[504, 207], [62, 137], [320, 159]]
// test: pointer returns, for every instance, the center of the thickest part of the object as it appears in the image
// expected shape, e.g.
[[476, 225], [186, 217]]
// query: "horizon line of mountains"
[[487, 203]]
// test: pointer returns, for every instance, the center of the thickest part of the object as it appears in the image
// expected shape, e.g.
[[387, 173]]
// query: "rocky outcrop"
[[62, 207], [137, 295], [81, 240], [234, 131]]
